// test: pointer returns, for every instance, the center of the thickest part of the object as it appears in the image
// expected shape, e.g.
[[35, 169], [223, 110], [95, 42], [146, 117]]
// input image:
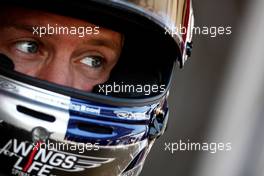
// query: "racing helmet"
[[51, 129]]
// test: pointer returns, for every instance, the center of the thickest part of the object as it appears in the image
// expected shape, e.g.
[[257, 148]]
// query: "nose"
[[57, 70]]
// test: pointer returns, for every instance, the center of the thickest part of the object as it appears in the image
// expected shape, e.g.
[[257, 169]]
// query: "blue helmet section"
[[108, 125]]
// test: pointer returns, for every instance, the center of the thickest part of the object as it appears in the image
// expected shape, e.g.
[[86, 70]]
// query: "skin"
[[60, 58]]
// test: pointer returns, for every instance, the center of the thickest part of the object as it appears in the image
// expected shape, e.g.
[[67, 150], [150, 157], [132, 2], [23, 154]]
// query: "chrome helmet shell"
[[51, 129]]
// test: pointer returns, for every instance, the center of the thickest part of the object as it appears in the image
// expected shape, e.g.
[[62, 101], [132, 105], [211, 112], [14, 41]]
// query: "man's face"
[[69, 60]]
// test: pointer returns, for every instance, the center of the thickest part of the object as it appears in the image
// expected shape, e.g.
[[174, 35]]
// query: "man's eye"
[[92, 61], [27, 47]]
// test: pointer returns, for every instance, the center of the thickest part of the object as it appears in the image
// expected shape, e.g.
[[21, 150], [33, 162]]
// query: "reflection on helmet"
[[51, 129]]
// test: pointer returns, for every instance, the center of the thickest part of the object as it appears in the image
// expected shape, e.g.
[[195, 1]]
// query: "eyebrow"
[[102, 42], [24, 27], [97, 41]]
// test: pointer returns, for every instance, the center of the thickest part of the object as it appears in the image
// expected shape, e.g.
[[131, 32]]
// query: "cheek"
[[88, 84], [28, 68], [30, 71], [21, 65], [87, 87]]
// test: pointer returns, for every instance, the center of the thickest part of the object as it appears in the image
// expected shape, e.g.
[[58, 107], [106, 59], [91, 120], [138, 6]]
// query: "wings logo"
[[41, 162]]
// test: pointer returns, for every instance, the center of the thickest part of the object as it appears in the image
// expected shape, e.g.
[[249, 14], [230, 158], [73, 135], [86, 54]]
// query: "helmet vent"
[[35, 114], [93, 128]]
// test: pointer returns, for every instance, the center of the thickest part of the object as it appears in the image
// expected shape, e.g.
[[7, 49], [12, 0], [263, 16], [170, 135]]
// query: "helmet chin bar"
[[33, 116]]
